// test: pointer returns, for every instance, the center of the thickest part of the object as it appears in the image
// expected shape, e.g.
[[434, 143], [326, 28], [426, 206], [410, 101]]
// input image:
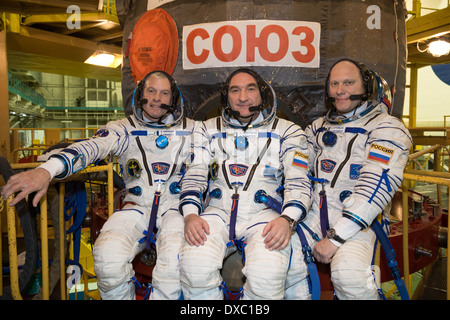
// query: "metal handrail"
[[12, 241]]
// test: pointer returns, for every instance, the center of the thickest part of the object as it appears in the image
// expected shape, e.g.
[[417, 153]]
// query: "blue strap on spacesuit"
[[152, 223], [390, 257], [312, 268], [234, 207], [148, 288], [227, 292], [240, 245], [385, 178], [314, 235], [324, 223], [306, 249]]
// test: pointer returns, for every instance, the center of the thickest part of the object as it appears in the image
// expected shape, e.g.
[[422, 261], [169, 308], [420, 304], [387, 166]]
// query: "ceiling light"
[[439, 48], [104, 59]]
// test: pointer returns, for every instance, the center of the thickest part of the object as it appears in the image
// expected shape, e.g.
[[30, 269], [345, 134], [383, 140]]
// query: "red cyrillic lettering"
[[190, 52], [262, 43], [307, 43], [217, 43]]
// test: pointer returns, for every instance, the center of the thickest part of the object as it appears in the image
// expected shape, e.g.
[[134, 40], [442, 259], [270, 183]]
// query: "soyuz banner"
[[291, 44], [251, 42]]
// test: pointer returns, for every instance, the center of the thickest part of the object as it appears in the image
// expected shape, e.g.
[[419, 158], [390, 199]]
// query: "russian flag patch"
[[300, 160], [380, 154]]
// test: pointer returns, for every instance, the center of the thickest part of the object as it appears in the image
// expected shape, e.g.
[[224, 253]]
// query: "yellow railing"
[[50, 137], [445, 120], [12, 241]]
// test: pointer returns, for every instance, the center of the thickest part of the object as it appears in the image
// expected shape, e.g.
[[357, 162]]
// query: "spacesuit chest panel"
[[339, 153], [155, 155], [243, 157]]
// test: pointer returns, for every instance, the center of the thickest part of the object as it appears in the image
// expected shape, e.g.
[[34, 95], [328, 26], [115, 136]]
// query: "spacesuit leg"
[[265, 270], [166, 274], [115, 249], [297, 286], [351, 271], [200, 266]]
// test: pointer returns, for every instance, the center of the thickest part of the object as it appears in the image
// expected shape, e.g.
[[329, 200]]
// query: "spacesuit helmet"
[[267, 107], [176, 107], [376, 88]]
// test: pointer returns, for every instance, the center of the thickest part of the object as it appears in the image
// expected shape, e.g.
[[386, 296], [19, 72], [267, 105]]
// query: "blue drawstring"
[[384, 177], [319, 180], [240, 245], [138, 285], [152, 222], [146, 238], [226, 291]]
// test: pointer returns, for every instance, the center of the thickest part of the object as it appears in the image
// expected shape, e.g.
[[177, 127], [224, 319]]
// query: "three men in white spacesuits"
[[358, 152], [245, 151], [356, 155], [153, 148]]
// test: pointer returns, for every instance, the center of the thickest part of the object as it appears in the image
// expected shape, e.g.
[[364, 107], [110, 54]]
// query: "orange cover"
[[154, 44]]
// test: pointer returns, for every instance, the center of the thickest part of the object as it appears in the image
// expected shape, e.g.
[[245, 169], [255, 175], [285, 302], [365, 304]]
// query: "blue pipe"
[[390, 257]]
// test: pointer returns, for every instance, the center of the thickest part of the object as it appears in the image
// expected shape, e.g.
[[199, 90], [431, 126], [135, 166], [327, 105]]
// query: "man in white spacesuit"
[[247, 150], [358, 152], [153, 148]]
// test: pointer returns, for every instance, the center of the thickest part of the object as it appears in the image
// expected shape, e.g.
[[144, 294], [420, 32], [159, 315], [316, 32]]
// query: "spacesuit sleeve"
[[195, 180], [386, 155], [294, 155], [111, 139]]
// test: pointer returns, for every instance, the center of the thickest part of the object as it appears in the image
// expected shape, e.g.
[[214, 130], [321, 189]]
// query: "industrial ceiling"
[[39, 39]]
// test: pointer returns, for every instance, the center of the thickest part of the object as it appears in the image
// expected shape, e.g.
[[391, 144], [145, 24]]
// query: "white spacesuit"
[[153, 158], [242, 160], [357, 164]]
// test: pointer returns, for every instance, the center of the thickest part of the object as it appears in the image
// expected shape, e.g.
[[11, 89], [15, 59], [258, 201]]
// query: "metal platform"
[[433, 285]]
